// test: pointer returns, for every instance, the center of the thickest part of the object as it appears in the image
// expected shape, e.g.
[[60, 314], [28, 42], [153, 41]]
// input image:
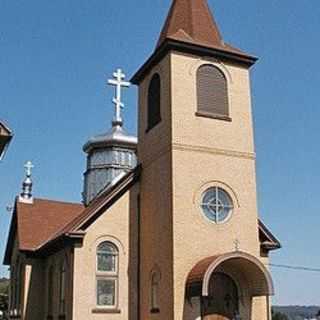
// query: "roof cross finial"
[[28, 166], [118, 83], [26, 194], [237, 245]]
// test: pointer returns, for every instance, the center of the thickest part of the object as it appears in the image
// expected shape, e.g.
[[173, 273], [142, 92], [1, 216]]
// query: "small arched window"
[[107, 275], [212, 92], [154, 101], [155, 285], [50, 291], [63, 279]]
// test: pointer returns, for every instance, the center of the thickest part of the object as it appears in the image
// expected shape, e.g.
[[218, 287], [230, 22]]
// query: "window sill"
[[152, 127], [155, 310], [213, 116], [105, 310]]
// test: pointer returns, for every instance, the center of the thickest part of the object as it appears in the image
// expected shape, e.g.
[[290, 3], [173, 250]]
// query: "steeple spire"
[[26, 194], [191, 28], [191, 21]]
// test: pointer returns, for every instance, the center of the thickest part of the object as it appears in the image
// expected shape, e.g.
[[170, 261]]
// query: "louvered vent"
[[154, 102], [212, 92]]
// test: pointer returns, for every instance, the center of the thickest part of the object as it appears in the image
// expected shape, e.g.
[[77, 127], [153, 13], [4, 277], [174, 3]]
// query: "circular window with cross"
[[217, 205]]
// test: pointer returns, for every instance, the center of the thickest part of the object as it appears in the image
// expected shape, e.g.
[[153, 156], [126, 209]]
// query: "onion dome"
[[109, 154]]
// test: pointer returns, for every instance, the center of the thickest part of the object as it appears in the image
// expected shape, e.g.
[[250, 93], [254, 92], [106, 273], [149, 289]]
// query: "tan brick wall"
[[154, 152], [181, 157], [209, 152], [117, 224]]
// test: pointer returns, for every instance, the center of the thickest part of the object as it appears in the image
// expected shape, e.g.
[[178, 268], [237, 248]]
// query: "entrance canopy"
[[247, 271]]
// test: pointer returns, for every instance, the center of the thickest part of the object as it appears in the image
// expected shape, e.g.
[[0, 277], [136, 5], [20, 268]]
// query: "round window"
[[217, 205]]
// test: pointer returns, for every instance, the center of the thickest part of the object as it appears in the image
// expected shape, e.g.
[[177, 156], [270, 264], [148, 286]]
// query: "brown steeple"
[[191, 21], [190, 27]]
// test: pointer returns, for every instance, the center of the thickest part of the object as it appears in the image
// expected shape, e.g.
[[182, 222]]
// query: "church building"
[[169, 227]]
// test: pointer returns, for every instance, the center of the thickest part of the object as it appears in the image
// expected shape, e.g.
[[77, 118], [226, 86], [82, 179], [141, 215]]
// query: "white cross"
[[118, 83], [237, 244], [29, 166]]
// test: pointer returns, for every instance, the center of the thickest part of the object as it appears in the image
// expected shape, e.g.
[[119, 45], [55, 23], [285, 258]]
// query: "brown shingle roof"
[[37, 222], [190, 28], [191, 21], [97, 207]]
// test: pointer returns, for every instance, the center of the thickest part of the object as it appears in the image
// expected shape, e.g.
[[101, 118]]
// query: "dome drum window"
[[217, 205], [212, 93]]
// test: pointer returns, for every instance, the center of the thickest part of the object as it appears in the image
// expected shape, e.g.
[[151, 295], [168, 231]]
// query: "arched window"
[[62, 300], [20, 288], [107, 275], [50, 291], [154, 102], [155, 284], [12, 289], [212, 92]]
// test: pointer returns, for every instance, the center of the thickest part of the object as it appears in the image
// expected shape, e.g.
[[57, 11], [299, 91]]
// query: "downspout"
[[139, 257]]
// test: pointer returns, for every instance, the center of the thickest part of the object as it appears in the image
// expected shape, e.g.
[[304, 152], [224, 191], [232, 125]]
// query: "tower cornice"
[[228, 54]]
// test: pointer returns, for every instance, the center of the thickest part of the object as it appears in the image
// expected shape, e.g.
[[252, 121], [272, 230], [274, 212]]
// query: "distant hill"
[[298, 312]]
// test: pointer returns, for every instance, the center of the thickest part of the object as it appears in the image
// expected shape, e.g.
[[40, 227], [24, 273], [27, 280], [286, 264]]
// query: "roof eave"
[[190, 48], [272, 243], [75, 234], [270, 246], [11, 237], [4, 144]]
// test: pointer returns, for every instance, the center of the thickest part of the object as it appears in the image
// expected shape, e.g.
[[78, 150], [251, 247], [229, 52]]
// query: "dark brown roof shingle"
[[191, 21], [37, 222]]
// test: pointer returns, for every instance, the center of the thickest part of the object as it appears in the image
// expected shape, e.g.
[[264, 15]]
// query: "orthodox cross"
[[118, 83], [237, 244], [29, 166], [26, 194]]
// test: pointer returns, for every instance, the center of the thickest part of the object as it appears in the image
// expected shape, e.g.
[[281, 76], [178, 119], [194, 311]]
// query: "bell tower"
[[199, 217]]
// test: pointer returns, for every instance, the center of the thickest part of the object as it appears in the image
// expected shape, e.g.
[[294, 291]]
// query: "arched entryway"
[[224, 288]]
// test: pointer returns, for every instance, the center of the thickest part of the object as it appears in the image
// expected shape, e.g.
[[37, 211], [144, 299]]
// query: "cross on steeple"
[[118, 83], [236, 244], [26, 194], [29, 166]]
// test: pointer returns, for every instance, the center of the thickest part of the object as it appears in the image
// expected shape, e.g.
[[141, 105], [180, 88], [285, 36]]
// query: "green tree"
[[279, 316], [4, 298]]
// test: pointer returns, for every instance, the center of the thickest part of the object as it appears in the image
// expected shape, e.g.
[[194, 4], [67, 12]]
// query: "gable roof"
[[5, 137], [34, 224], [39, 226], [76, 228], [46, 224], [267, 239]]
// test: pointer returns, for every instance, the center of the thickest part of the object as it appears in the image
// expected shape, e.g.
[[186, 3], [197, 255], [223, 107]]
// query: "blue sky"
[[54, 62]]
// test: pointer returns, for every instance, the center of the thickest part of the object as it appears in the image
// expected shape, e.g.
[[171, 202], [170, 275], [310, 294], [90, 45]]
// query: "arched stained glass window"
[[107, 274], [212, 92]]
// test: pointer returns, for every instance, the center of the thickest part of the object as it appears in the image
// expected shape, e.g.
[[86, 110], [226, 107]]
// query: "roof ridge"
[[59, 201]]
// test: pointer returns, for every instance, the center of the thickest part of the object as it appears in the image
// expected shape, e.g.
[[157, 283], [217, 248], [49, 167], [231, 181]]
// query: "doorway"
[[223, 300]]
